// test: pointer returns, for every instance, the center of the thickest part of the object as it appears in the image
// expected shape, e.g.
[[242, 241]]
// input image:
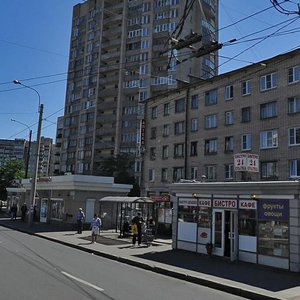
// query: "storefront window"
[[247, 222], [273, 238], [187, 214], [57, 209], [204, 217]]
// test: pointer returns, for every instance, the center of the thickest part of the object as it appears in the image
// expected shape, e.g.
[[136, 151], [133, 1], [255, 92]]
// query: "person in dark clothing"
[[80, 219], [125, 228], [138, 220], [13, 211], [23, 211]]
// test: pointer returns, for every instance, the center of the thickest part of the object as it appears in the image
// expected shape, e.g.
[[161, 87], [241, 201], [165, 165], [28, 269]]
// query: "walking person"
[[139, 221], [13, 212], [95, 226], [134, 231], [23, 211], [80, 220]]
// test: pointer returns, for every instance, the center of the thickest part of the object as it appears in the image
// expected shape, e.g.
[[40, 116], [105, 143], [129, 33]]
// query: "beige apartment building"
[[194, 132], [120, 55]]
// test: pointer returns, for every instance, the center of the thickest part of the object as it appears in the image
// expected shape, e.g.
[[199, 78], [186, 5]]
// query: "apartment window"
[[269, 139], [179, 127], [211, 146], [246, 114], [166, 109], [268, 110], [194, 146], [211, 97], [295, 168], [166, 130], [229, 144], [194, 124], [293, 105], [153, 133], [195, 101], [229, 172], [180, 105], [164, 174], [268, 82], [165, 152], [246, 87], [229, 117], [269, 170], [246, 142], [210, 173], [210, 121], [152, 153], [294, 74], [194, 173], [178, 173], [154, 112], [229, 92], [294, 136], [178, 150], [151, 175]]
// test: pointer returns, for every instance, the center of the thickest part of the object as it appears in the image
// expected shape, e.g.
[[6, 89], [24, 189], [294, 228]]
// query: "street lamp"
[[36, 161], [29, 145]]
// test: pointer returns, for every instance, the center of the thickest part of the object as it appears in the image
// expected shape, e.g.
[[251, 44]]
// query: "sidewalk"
[[243, 279]]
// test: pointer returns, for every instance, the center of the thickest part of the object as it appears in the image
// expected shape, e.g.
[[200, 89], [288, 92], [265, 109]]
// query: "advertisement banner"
[[273, 210]]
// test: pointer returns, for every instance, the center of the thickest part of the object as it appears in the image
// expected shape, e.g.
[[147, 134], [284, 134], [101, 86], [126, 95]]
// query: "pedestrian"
[[95, 226], [80, 219], [23, 211], [134, 231], [125, 228], [13, 212], [139, 221]]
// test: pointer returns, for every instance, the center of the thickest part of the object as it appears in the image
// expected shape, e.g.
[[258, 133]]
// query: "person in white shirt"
[[95, 226]]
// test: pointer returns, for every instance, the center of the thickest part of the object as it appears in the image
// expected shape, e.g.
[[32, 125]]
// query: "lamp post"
[[36, 161], [29, 145]]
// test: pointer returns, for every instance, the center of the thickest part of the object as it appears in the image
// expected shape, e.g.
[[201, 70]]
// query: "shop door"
[[233, 235], [218, 232]]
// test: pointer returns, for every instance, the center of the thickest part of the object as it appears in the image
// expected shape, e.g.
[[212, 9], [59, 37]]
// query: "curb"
[[174, 274]]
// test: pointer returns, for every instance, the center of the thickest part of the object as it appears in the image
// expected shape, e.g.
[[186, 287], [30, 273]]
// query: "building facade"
[[194, 132], [119, 57], [12, 149]]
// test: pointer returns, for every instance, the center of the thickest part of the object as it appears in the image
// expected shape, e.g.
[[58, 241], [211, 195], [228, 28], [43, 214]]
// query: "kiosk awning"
[[126, 199]]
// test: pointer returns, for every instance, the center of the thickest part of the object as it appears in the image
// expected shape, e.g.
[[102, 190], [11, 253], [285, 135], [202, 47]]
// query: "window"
[[210, 173], [229, 144], [293, 105], [195, 101], [154, 112], [194, 146], [179, 127], [178, 173], [268, 81], [165, 152], [229, 171], [164, 174], [246, 87], [246, 142], [247, 222], [228, 92], [57, 209], [210, 121], [180, 105], [166, 109], [294, 136], [295, 168], [153, 133], [269, 170], [194, 173], [269, 139], [194, 124], [151, 175], [246, 114], [152, 153], [268, 110], [211, 97], [178, 150], [211, 146], [166, 130], [229, 117], [294, 74]]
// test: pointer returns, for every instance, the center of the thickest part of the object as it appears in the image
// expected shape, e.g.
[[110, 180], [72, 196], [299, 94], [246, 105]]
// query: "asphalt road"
[[34, 268]]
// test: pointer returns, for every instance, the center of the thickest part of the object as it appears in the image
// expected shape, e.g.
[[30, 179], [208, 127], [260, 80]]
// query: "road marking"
[[83, 281]]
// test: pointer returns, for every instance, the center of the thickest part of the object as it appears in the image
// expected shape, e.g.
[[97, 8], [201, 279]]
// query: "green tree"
[[12, 169]]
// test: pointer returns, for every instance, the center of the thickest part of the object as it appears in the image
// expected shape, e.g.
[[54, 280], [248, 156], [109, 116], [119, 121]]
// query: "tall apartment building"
[[11, 149], [194, 132], [119, 57]]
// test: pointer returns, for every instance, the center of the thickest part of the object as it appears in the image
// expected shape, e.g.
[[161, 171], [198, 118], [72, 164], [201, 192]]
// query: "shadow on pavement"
[[250, 274]]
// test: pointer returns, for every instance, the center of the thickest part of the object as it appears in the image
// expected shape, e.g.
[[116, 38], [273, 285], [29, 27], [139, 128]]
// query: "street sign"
[[246, 162]]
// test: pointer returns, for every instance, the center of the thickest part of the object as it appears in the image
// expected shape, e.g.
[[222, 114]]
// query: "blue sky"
[[34, 47]]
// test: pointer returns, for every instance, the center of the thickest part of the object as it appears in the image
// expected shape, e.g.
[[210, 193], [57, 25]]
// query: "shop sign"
[[143, 132], [275, 210], [160, 198], [225, 203], [187, 202], [205, 202], [246, 162], [247, 204]]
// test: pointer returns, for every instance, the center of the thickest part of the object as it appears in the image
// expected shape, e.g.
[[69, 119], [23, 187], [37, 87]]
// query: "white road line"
[[83, 281]]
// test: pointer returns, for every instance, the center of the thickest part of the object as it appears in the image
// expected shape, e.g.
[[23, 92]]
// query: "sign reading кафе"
[[275, 210]]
